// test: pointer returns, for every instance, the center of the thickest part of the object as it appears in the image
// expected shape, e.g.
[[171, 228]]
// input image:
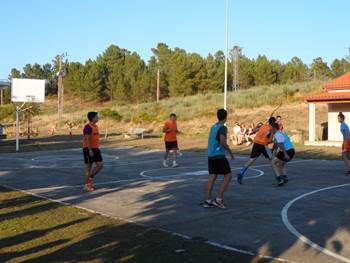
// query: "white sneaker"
[[165, 164], [175, 164]]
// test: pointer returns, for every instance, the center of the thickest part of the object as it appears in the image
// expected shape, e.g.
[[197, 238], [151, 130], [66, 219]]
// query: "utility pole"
[[60, 92], [236, 53], [158, 85]]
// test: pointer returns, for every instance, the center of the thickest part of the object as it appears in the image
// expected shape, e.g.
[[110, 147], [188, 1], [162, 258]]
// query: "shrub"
[[8, 112], [109, 113], [144, 117]]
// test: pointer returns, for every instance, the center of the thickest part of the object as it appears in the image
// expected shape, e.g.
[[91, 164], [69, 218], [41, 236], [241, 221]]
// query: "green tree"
[[263, 71], [320, 69], [340, 67], [245, 72], [15, 73], [294, 71], [213, 71], [180, 81], [162, 61]]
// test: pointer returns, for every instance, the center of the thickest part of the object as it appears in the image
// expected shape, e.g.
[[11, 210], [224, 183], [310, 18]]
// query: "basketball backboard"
[[28, 90]]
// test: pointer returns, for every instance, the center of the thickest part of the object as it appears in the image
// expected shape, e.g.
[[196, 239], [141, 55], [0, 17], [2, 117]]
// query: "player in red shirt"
[[170, 130]]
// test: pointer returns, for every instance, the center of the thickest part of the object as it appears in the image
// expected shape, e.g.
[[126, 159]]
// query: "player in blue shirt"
[[344, 129], [217, 162]]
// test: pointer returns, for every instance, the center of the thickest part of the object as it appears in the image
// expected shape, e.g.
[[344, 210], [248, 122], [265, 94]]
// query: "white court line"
[[75, 167], [81, 185], [299, 161], [121, 164], [143, 173], [212, 243], [304, 239]]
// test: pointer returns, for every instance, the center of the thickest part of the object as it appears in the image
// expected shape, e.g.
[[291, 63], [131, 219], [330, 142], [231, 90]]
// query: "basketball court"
[[304, 221]]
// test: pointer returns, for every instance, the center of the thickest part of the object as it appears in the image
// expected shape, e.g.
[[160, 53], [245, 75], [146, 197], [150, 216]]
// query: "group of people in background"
[[245, 133]]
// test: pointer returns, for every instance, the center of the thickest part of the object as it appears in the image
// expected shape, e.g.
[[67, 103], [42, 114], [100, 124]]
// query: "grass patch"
[[37, 230]]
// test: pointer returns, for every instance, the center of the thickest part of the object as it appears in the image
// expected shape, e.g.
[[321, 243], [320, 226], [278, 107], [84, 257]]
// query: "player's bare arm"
[[223, 141]]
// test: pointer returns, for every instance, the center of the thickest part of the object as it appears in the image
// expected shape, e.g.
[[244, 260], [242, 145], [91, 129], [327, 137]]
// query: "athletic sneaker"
[[278, 182], [175, 164], [208, 204], [281, 182], [219, 204], [284, 178], [165, 164], [88, 188]]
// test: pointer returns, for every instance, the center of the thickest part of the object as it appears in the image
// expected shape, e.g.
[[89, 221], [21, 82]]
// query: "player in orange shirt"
[[92, 153], [261, 146], [170, 130]]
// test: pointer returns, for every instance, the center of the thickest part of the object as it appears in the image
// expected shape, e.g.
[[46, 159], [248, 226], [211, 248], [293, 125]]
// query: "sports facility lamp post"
[[226, 54]]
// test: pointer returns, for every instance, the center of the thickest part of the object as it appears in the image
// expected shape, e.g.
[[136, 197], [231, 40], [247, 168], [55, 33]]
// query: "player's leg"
[[275, 167], [175, 149], [208, 203], [224, 184], [346, 159], [212, 169], [175, 164], [284, 175], [97, 159], [225, 169], [209, 186], [255, 153], [87, 170], [166, 154], [97, 169], [291, 154]]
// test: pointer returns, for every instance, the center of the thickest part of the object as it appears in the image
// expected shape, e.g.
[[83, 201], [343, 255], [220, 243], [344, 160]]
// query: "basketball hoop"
[[26, 91]]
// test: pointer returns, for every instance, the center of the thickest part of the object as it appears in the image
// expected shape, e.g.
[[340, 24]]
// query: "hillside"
[[195, 113]]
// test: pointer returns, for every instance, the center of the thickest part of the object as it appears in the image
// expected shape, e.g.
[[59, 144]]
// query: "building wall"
[[334, 133]]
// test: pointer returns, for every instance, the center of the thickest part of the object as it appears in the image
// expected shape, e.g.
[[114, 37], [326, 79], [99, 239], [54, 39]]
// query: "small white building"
[[337, 97]]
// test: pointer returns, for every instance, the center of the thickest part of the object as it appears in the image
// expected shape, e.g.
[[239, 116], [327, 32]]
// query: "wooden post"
[[158, 84]]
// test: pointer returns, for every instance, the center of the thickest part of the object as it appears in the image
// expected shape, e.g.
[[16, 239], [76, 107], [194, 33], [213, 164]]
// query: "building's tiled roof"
[[329, 96], [340, 83]]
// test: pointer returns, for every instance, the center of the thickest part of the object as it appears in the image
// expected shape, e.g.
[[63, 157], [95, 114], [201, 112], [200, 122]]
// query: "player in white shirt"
[[283, 152]]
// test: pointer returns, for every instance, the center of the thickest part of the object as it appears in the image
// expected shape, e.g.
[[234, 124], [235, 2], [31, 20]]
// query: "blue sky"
[[36, 30]]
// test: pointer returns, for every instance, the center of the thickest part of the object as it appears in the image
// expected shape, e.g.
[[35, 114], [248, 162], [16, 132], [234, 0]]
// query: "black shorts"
[[290, 152], [259, 149], [218, 165], [95, 159], [171, 145]]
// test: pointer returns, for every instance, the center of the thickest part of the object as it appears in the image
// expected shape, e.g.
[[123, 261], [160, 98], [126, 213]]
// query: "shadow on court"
[[169, 199]]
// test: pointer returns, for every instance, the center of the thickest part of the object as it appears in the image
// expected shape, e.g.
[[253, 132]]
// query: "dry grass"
[[37, 230], [196, 113]]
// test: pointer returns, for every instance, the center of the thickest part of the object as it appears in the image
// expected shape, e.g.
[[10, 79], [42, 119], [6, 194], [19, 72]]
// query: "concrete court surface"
[[308, 220]]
